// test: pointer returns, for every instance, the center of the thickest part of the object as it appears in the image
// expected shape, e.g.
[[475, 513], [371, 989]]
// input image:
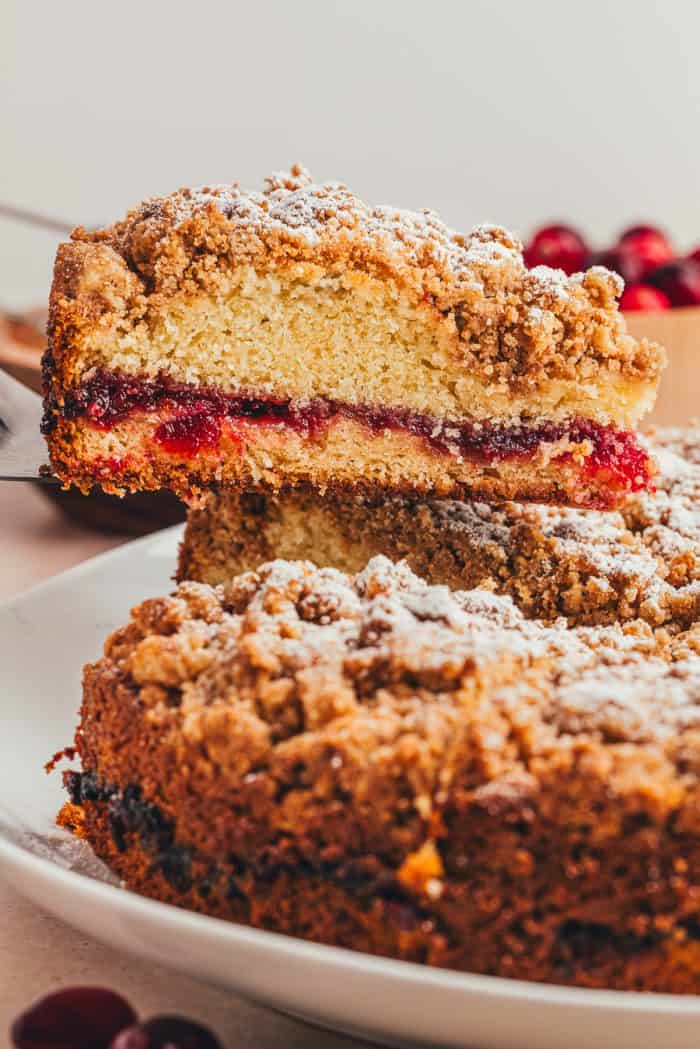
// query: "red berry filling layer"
[[196, 416]]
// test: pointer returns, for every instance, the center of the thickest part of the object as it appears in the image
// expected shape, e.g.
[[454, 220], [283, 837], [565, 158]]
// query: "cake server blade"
[[22, 448]]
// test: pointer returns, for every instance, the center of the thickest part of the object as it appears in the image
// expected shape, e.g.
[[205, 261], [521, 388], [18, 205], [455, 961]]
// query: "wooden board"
[[679, 331]]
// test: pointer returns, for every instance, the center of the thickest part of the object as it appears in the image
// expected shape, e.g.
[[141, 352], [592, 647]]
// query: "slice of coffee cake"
[[298, 335], [592, 567], [379, 764]]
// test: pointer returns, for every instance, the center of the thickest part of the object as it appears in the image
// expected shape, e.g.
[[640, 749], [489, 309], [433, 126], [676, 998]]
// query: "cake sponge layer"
[[190, 450], [305, 294], [299, 333]]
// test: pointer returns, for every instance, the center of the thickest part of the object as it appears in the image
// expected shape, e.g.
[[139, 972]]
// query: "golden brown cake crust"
[[381, 764], [513, 323]]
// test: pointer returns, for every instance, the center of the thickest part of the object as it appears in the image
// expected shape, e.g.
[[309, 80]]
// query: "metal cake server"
[[22, 448]]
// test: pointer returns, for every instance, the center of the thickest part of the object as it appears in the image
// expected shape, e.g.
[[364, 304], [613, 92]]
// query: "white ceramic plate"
[[46, 635]]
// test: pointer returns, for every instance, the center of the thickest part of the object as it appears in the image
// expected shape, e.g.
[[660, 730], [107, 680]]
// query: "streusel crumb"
[[381, 764]]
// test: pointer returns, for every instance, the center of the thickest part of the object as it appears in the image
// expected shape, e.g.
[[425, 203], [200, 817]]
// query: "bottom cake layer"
[[129, 434], [419, 912]]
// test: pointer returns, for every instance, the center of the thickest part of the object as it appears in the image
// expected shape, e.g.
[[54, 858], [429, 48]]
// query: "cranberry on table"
[[648, 246], [559, 246], [166, 1032], [644, 297], [680, 281], [640, 230], [75, 1018], [655, 277]]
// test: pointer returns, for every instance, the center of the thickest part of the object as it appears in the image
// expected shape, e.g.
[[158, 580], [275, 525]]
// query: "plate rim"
[[124, 900], [82, 567], [18, 859]]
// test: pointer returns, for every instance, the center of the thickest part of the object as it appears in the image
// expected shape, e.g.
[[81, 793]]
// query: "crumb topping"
[[515, 322], [649, 700], [292, 656], [648, 552]]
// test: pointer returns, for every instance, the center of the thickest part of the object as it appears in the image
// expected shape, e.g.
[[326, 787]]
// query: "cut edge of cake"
[[217, 336], [642, 561]]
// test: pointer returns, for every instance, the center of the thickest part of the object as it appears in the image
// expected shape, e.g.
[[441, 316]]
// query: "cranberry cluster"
[[96, 1018], [655, 277]]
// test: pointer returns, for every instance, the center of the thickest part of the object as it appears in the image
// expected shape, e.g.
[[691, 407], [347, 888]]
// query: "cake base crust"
[[363, 905], [127, 434]]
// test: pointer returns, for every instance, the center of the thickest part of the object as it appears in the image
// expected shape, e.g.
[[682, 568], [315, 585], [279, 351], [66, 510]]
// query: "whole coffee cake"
[[298, 335], [384, 765], [642, 561]]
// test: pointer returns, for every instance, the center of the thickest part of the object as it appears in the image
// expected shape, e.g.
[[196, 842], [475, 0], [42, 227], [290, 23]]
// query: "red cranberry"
[[620, 261], [76, 1018], [636, 231], [680, 281], [644, 297], [561, 247], [648, 246], [166, 1032], [695, 255], [187, 434]]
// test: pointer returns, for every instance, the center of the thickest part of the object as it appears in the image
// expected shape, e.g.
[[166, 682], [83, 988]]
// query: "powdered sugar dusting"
[[555, 282], [390, 627], [641, 562], [295, 208], [675, 504], [641, 702]]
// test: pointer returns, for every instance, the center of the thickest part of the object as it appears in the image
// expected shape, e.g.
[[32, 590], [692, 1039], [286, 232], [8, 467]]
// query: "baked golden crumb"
[[380, 764], [591, 567], [298, 335]]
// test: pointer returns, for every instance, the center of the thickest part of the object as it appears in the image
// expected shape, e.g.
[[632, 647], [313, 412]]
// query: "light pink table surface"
[[38, 953]]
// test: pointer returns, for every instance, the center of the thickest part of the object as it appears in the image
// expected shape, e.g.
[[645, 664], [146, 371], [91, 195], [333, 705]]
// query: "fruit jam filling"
[[197, 415]]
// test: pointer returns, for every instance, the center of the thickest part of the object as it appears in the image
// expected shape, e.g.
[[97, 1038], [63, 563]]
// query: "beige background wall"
[[469, 107]]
